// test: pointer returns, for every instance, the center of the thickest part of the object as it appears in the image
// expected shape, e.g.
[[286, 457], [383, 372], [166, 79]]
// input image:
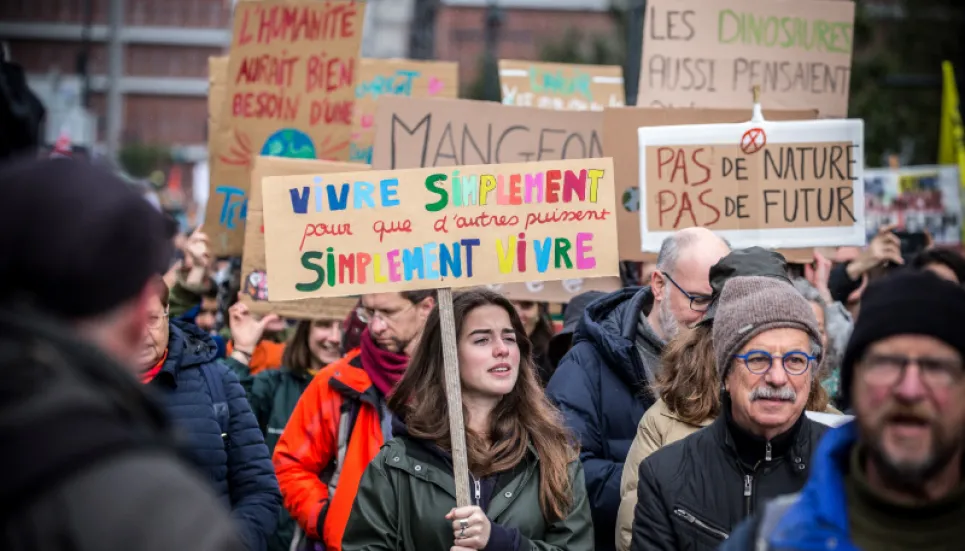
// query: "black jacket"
[[693, 492]]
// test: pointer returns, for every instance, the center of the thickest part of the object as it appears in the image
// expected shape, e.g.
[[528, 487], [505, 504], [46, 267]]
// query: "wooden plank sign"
[[395, 77], [710, 53], [290, 93], [770, 184], [390, 231], [561, 86], [254, 275]]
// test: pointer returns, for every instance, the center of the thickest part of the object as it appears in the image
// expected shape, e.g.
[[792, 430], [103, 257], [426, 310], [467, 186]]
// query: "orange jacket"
[[267, 355], [309, 446]]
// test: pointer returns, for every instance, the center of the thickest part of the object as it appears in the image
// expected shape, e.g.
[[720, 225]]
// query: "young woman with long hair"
[[527, 481]]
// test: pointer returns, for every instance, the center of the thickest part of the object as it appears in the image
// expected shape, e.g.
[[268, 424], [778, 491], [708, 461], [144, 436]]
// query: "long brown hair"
[[522, 418], [297, 357], [688, 380]]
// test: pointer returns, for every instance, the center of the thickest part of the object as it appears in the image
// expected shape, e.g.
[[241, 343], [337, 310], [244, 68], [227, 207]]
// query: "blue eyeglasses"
[[760, 362]]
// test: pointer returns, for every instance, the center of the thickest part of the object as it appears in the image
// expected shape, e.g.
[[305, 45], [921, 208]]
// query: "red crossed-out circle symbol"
[[753, 141]]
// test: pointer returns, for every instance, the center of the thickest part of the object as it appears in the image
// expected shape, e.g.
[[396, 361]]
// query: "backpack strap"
[[219, 399], [773, 513]]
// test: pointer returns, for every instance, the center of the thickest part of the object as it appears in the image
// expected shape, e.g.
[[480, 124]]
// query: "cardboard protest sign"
[[254, 275], [217, 84], [557, 291], [710, 53], [395, 77], [561, 86], [440, 132], [290, 93], [620, 142], [770, 184], [426, 228]]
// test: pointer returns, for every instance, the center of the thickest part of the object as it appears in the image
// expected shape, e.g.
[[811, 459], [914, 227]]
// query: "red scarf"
[[384, 367], [150, 374]]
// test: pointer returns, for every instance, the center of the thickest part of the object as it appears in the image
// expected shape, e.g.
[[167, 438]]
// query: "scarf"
[[150, 374], [384, 367]]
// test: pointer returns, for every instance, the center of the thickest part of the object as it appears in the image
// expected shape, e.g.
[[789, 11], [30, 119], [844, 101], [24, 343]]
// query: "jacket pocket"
[[698, 524]]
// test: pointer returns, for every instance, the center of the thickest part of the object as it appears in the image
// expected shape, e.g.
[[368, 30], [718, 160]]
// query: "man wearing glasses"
[[692, 493], [602, 384], [893, 478], [341, 420]]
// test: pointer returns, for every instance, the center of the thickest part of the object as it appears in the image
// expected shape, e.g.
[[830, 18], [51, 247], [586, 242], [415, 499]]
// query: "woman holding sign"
[[526, 480]]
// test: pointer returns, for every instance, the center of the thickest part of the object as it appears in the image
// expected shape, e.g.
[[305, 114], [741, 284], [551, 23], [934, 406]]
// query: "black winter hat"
[[908, 302], [752, 261], [75, 239]]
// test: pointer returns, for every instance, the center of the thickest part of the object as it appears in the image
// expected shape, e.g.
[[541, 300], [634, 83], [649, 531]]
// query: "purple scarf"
[[384, 367]]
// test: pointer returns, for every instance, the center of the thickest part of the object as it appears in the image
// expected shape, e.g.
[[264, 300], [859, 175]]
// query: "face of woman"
[[324, 339], [488, 353], [528, 312]]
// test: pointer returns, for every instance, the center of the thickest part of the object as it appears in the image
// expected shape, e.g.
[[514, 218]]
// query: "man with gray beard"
[[767, 346], [602, 385]]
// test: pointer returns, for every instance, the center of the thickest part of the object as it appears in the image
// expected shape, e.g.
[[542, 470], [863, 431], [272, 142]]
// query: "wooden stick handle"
[[457, 427]]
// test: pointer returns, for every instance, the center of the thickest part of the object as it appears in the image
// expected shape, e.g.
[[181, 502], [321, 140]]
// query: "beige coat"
[[658, 428]]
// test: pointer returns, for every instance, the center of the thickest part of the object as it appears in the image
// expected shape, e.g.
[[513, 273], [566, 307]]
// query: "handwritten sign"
[[770, 184], [396, 77], [710, 53], [291, 92], [254, 274], [426, 228], [561, 86], [557, 291], [440, 132]]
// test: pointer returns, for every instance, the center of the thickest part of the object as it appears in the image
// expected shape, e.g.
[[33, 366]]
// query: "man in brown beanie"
[[693, 492]]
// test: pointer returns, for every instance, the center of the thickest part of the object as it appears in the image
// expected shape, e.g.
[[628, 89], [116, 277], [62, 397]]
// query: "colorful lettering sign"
[[427, 228], [396, 77], [561, 86], [254, 271], [440, 132], [290, 93], [711, 53], [916, 198], [770, 184]]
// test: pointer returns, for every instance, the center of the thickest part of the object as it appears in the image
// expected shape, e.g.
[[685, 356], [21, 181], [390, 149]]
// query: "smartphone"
[[912, 243]]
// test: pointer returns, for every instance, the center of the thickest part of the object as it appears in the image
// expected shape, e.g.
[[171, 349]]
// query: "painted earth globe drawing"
[[290, 143], [631, 199]]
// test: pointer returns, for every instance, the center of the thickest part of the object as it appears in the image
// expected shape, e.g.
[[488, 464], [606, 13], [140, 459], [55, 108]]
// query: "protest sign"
[[917, 198], [254, 275], [217, 84], [561, 86], [442, 132], [769, 184], [620, 142], [710, 53], [426, 228], [290, 93], [395, 77], [556, 291]]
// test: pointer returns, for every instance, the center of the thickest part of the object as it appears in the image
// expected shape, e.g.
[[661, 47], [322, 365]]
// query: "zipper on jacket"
[[477, 489], [748, 493], [682, 513], [767, 451]]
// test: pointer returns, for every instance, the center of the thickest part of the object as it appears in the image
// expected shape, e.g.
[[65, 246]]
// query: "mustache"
[[785, 393], [902, 413]]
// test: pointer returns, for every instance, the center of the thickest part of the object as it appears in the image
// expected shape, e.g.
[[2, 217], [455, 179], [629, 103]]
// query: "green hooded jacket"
[[407, 490]]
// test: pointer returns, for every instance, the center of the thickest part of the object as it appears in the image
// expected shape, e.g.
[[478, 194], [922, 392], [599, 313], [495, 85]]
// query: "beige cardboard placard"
[[767, 184], [217, 82], [255, 291], [290, 93], [426, 228], [395, 77], [710, 53], [561, 86], [620, 142], [416, 132], [558, 291]]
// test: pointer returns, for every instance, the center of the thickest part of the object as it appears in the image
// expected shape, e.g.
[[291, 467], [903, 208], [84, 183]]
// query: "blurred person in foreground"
[[693, 492], [89, 460], [603, 384], [892, 479]]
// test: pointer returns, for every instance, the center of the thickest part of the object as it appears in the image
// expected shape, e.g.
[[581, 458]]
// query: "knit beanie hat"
[[750, 305], [905, 303]]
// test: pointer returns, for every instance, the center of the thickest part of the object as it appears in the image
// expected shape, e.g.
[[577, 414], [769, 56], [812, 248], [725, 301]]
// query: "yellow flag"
[[951, 141]]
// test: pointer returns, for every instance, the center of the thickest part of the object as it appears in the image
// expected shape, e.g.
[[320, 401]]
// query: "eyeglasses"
[[155, 321], [760, 362], [888, 370], [367, 315], [698, 303]]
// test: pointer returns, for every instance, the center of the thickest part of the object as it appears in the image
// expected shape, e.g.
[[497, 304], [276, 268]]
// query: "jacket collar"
[[800, 448], [188, 346]]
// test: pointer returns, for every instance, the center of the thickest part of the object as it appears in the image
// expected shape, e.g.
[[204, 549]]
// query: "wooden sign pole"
[[457, 427]]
